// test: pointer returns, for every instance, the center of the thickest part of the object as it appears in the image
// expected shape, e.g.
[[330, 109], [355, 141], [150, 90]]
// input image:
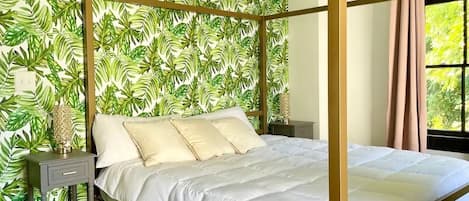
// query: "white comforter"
[[288, 169]]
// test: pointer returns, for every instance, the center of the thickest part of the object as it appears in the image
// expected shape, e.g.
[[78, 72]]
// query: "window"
[[447, 72]]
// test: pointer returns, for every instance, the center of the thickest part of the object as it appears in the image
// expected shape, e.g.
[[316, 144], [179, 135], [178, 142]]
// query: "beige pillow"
[[203, 138], [241, 136], [158, 142], [113, 143], [225, 113]]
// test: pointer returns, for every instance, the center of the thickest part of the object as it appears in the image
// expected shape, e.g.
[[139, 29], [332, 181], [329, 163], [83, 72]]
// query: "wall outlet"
[[25, 81]]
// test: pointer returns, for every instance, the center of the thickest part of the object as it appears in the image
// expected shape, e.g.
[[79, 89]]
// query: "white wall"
[[303, 61], [367, 70], [368, 34]]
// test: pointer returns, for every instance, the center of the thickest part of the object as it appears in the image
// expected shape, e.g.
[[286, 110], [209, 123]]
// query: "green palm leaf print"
[[148, 62]]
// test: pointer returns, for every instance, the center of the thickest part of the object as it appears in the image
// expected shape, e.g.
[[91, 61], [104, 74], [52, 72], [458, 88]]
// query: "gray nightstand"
[[48, 170], [304, 129]]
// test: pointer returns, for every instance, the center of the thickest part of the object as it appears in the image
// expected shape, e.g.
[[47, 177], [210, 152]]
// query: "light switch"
[[25, 81]]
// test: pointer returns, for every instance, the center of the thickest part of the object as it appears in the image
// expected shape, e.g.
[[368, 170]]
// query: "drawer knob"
[[69, 173]]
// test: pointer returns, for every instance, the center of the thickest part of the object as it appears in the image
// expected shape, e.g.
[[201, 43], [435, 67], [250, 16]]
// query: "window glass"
[[444, 33], [444, 98]]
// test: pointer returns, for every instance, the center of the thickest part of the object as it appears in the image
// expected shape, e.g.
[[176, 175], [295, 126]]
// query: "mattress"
[[288, 169]]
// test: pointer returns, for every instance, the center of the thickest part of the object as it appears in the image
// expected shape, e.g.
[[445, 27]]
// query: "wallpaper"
[[149, 62], [44, 37], [153, 62]]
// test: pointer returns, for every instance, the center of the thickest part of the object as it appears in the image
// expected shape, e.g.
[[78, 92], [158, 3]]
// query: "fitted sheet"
[[288, 169]]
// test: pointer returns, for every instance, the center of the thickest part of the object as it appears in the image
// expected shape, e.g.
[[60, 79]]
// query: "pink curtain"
[[406, 114]]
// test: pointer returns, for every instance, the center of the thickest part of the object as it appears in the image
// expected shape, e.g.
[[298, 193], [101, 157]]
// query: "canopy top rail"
[[191, 8], [240, 15], [318, 9]]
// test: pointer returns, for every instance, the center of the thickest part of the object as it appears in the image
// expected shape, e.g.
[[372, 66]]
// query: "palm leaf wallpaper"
[[148, 62], [153, 62]]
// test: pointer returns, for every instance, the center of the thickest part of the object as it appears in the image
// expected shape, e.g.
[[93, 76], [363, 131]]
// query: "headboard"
[[90, 70]]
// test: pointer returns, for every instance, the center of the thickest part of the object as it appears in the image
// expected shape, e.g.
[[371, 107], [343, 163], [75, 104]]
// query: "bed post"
[[263, 74], [90, 99], [337, 89]]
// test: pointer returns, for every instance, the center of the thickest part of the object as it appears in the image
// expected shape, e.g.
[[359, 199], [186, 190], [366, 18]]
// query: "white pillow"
[[158, 142], [230, 112], [113, 144], [203, 138], [242, 137]]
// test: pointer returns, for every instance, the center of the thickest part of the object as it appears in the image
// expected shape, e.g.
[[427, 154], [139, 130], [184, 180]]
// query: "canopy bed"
[[337, 144]]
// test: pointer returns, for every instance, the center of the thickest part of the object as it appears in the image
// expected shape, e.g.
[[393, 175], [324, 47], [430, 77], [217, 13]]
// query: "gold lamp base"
[[63, 149]]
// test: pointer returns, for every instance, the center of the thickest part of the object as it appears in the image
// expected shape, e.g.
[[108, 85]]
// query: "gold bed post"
[[90, 99], [337, 74], [263, 74]]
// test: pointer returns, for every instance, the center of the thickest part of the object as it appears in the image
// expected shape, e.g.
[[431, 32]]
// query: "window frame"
[[447, 140]]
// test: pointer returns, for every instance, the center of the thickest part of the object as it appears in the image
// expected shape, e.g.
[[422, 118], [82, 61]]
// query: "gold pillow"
[[241, 136], [203, 138], [158, 142]]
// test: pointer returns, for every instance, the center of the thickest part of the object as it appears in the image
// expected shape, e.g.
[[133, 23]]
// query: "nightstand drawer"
[[61, 174], [286, 131], [303, 129]]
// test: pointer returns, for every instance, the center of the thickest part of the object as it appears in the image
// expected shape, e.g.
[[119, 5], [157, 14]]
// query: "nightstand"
[[302, 129], [48, 170]]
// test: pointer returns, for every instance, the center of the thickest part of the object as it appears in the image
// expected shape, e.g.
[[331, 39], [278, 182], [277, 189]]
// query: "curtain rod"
[[319, 9]]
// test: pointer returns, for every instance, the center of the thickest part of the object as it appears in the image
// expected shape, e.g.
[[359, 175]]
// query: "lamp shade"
[[285, 105], [62, 120]]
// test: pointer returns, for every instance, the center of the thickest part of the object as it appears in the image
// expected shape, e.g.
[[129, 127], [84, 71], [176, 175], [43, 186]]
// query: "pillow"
[[158, 142], [230, 112], [113, 144], [242, 137], [203, 138]]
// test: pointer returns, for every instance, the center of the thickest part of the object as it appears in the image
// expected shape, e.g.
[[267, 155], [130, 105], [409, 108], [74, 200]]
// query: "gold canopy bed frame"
[[337, 83]]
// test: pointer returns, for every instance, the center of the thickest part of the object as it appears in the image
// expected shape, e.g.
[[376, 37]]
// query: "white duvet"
[[288, 169]]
